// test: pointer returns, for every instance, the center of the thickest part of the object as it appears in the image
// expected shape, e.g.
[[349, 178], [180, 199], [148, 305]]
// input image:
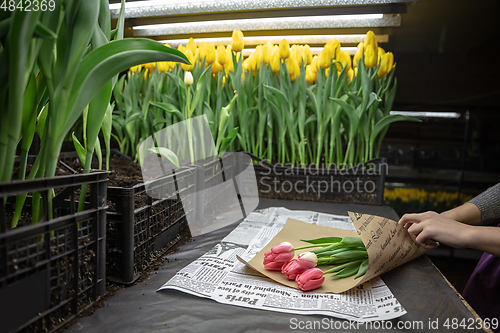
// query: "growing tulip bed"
[[281, 103]]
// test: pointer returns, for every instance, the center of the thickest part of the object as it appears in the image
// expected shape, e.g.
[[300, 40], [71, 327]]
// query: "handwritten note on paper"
[[387, 243]]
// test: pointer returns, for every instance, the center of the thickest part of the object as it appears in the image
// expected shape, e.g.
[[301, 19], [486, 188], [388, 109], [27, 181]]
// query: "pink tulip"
[[310, 279], [298, 266], [278, 256]]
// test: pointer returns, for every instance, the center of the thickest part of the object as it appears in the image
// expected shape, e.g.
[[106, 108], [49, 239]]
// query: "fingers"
[[408, 219]]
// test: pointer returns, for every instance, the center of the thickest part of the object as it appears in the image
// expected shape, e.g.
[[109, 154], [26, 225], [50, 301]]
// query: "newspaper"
[[220, 276]]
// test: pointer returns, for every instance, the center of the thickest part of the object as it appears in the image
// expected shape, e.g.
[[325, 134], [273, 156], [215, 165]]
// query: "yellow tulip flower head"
[[163, 66], [371, 50], [135, 69], [237, 44], [333, 47], [294, 52], [311, 75], [315, 63], [308, 56], [150, 66], [327, 71], [370, 56], [221, 55], [301, 55], [267, 52], [358, 55], [191, 46], [229, 66], [386, 64], [202, 50], [284, 49], [211, 56], [344, 61], [216, 67], [350, 74], [293, 68], [324, 58], [275, 62], [371, 39], [191, 59]]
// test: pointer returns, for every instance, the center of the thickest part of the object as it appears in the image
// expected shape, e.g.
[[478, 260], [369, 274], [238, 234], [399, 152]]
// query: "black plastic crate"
[[53, 270], [141, 228], [363, 184]]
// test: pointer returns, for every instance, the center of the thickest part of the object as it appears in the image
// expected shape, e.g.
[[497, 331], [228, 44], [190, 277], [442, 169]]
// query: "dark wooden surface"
[[417, 285]]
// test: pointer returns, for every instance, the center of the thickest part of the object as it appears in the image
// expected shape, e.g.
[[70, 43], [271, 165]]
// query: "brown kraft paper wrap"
[[388, 244]]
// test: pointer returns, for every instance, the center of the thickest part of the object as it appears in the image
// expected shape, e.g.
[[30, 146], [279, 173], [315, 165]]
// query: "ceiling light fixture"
[[296, 39], [283, 23], [176, 7]]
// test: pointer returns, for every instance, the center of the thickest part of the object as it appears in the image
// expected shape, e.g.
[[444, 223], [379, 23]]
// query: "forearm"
[[467, 213], [486, 239]]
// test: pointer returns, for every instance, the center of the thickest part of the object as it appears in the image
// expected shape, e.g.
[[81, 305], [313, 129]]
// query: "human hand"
[[427, 228]]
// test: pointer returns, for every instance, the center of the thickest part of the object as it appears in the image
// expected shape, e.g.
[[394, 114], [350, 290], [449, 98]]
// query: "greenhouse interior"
[[357, 143]]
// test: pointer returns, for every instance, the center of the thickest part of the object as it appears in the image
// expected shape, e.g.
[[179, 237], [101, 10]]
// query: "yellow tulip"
[[191, 59], [358, 55], [294, 52], [386, 64], [211, 56], [371, 50], [267, 52], [181, 48], [229, 66], [344, 61], [301, 54], [150, 66], [350, 74], [216, 67], [221, 55], [171, 65], [135, 69], [202, 50], [315, 63], [247, 64], [237, 44], [324, 58], [327, 71], [275, 62], [311, 75], [257, 58], [370, 56], [167, 45], [371, 39], [284, 49], [191, 45], [333, 47], [293, 68], [308, 56], [163, 66]]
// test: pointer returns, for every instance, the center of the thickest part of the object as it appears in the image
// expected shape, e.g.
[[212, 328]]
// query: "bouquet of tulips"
[[348, 256]]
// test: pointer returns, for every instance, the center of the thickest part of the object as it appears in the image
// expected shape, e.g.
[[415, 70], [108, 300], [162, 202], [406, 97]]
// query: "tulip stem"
[[313, 245], [339, 267]]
